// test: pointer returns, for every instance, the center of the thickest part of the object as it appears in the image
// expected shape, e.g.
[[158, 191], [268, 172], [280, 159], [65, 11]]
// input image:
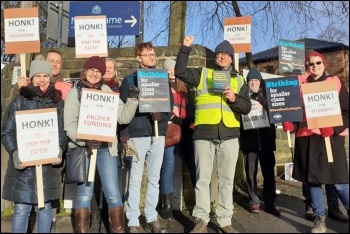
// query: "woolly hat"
[[225, 47], [97, 63], [169, 63], [40, 66], [254, 74], [312, 54]]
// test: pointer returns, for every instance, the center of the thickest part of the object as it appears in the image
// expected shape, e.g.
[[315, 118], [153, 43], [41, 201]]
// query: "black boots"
[[334, 212], [167, 210]]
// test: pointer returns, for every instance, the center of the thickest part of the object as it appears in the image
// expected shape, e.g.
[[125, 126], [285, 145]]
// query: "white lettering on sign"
[[22, 29], [238, 34]]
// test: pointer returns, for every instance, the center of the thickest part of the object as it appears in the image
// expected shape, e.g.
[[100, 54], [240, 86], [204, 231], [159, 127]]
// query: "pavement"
[[291, 220]]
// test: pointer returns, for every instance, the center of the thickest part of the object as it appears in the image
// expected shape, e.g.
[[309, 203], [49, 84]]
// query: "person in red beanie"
[[310, 156], [107, 152]]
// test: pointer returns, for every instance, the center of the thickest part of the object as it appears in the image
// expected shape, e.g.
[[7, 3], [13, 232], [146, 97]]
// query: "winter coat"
[[260, 138], [192, 76], [310, 156], [71, 117], [20, 185]]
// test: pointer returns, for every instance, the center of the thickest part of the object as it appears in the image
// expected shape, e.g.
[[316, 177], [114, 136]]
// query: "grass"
[[7, 213]]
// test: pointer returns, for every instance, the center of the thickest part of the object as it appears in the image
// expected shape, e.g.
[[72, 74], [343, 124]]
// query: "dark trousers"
[[331, 193], [187, 150], [267, 164]]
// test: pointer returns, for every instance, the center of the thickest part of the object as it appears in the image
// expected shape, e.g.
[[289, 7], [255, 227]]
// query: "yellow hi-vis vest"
[[212, 107]]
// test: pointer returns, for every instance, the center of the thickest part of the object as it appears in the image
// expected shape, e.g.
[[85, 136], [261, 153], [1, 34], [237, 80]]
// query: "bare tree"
[[333, 34]]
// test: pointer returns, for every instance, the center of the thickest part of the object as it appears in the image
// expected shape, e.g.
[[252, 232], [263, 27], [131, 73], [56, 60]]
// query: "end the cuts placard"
[[322, 107], [98, 115], [37, 136]]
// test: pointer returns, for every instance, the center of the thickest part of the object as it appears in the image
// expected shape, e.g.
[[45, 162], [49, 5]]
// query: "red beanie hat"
[[313, 54], [97, 63]]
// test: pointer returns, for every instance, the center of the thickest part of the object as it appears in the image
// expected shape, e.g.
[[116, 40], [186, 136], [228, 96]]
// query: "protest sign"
[[237, 30], [37, 136], [322, 108], [291, 57], [257, 117], [22, 30], [221, 79], [283, 99], [98, 115], [154, 90], [90, 36]]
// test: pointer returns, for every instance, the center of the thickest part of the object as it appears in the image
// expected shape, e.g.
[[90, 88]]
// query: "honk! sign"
[[21, 30], [90, 36], [37, 134], [98, 115]]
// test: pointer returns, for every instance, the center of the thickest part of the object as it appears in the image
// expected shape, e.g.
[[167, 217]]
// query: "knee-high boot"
[[116, 216], [82, 220], [167, 211]]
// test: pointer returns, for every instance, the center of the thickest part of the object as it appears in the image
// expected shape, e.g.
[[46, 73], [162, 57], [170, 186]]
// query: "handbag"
[[173, 135], [75, 165]]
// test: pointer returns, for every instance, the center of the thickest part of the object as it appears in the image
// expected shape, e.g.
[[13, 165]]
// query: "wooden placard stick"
[[328, 149], [156, 128], [40, 185]]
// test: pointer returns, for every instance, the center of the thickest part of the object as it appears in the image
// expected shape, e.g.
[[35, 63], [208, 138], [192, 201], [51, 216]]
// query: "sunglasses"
[[318, 63]]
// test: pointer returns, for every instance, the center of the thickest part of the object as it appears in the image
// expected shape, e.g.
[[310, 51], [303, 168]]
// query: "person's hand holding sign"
[[229, 94]]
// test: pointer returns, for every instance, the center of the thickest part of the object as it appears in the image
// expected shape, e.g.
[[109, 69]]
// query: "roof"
[[310, 44]]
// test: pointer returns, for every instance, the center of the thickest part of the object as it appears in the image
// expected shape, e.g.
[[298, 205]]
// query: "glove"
[[16, 160], [176, 120], [186, 122], [134, 92], [93, 144], [255, 96], [60, 157], [288, 126], [327, 132], [156, 116]]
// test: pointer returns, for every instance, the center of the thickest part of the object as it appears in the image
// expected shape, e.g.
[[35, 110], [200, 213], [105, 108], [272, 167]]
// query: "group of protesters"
[[212, 130]]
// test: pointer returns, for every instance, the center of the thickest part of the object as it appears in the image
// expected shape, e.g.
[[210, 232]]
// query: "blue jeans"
[[149, 150], [331, 193], [22, 213], [167, 171], [317, 197], [107, 167]]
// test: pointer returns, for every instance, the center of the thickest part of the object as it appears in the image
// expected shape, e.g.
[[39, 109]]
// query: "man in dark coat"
[[259, 142]]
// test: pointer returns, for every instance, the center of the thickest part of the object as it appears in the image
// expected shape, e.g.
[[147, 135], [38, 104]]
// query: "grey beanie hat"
[[225, 47], [169, 63], [254, 74], [40, 66]]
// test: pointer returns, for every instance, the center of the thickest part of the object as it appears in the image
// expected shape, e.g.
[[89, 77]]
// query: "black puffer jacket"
[[20, 185]]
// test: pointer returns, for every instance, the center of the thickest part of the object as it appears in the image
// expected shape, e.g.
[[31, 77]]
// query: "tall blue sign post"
[[122, 17]]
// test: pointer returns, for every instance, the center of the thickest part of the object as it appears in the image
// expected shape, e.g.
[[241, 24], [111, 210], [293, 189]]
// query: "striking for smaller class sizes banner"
[[291, 56], [283, 99], [154, 90]]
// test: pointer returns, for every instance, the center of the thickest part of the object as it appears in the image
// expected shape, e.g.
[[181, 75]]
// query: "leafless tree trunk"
[[177, 22]]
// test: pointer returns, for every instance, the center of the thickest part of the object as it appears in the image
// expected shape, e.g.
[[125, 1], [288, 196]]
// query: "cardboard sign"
[[291, 57], [257, 117], [283, 99], [90, 36], [221, 79], [321, 101], [98, 115], [237, 31], [37, 136], [21, 30], [154, 90]]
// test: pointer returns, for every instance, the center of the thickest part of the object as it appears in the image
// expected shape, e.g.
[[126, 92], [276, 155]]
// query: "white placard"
[[257, 117], [98, 115], [37, 134], [321, 104], [90, 36], [238, 34], [22, 29]]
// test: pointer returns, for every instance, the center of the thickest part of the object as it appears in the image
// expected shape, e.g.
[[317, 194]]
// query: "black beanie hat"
[[254, 74], [225, 47], [97, 63]]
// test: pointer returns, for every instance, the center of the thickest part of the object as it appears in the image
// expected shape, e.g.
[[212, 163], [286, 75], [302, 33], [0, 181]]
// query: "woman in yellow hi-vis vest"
[[216, 129]]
